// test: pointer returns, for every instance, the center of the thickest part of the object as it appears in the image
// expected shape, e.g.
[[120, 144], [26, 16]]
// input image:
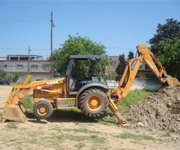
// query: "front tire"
[[42, 109], [93, 103]]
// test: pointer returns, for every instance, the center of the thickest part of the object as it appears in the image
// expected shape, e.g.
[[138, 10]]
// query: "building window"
[[34, 67], [5, 66], [148, 75], [19, 66], [46, 67], [13, 58]]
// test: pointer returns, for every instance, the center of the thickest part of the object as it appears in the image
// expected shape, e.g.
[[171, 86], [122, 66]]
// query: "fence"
[[151, 84]]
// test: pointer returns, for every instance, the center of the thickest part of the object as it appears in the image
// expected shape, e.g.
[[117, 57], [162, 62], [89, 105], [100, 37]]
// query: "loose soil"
[[77, 133], [156, 112]]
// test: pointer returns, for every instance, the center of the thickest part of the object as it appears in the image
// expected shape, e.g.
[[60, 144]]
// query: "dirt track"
[[69, 133]]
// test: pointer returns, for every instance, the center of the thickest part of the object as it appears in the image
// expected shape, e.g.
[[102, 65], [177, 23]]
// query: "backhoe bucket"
[[172, 82], [13, 113]]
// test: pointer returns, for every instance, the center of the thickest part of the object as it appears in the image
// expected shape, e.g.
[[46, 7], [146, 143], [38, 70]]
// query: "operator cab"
[[82, 70]]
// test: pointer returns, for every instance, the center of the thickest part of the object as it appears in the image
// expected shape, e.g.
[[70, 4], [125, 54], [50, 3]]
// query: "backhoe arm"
[[130, 73]]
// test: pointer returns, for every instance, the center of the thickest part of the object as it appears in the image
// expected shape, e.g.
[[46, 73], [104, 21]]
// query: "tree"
[[2, 74], [170, 30], [122, 64], [170, 57], [130, 55], [77, 45]]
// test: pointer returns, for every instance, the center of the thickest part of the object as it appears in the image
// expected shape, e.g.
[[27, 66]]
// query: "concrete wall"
[[40, 76], [21, 66], [151, 84]]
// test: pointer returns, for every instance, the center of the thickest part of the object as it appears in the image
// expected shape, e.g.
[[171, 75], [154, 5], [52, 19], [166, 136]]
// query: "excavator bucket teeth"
[[13, 113], [172, 82]]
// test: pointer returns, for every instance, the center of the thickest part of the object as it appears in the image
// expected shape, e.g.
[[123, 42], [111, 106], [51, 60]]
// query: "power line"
[[121, 48], [21, 21], [19, 49]]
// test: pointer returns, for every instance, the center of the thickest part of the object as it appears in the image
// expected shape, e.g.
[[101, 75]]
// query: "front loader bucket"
[[172, 82], [14, 110], [13, 113]]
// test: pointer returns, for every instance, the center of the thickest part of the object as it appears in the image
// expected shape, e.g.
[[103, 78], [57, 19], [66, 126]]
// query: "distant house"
[[143, 72], [3, 58], [35, 66]]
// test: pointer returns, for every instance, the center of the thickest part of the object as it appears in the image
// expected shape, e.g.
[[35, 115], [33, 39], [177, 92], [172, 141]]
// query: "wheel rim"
[[42, 110], [94, 103]]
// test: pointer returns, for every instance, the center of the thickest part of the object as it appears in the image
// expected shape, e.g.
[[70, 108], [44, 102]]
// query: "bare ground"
[[68, 133]]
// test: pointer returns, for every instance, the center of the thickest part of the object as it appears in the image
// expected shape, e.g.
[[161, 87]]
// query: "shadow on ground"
[[70, 115]]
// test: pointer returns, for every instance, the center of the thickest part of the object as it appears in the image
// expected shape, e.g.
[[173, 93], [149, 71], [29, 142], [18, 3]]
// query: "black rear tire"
[[93, 103], [42, 109]]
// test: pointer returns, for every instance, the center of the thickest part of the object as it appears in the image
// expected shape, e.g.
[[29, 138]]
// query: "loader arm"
[[130, 73], [13, 109]]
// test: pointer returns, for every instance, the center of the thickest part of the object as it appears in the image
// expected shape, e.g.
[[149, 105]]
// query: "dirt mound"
[[156, 111]]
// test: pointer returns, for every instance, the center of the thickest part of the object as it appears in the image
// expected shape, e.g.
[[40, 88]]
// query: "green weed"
[[133, 136], [28, 103], [84, 130], [92, 138], [80, 145], [167, 134], [12, 125]]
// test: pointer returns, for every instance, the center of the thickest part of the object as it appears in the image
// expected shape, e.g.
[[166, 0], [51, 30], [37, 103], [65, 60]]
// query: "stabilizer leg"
[[118, 115]]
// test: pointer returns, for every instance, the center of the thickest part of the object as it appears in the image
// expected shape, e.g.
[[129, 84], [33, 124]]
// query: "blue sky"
[[119, 25]]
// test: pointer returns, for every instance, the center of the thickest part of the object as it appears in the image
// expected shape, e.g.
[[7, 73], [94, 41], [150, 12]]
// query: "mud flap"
[[172, 82], [13, 113]]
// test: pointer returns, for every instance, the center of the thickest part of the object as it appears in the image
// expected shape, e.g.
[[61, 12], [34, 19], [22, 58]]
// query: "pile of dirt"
[[156, 111]]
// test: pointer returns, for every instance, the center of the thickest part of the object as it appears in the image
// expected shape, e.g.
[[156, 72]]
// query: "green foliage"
[[130, 55], [169, 30], [16, 76], [10, 77], [122, 64], [170, 57], [28, 103], [2, 74], [13, 77], [111, 75], [77, 45]]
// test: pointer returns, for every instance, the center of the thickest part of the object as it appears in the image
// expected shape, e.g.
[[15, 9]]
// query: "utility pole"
[[52, 25], [28, 60]]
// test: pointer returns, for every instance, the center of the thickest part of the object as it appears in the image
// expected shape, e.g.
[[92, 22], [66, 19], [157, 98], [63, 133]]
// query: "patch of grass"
[[28, 103], [133, 136], [167, 134], [84, 130], [59, 137], [57, 129], [12, 125], [32, 141], [132, 98], [80, 145], [92, 138]]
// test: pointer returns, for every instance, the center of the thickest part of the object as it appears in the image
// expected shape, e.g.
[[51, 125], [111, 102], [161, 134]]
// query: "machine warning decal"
[[133, 64], [66, 103]]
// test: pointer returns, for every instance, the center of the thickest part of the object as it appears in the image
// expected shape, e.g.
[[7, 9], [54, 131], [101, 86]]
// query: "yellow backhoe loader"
[[90, 94]]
